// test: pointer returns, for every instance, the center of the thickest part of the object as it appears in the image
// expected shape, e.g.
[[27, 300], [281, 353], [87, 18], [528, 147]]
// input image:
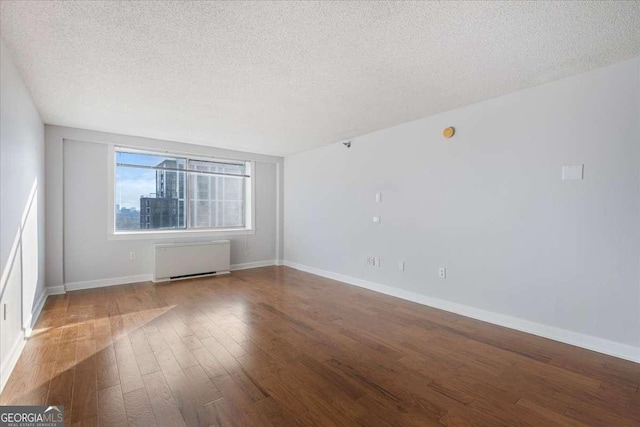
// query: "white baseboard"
[[623, 351], [90, 284], [9, 363], [35, 314], [256, 264], [11, 359], [55, 290]]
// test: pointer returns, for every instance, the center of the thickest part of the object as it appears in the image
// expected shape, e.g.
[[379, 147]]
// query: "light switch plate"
[[378, 197], [572, 172]]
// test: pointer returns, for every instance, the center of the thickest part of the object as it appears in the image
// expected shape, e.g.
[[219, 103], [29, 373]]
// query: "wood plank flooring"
[[278, 347]]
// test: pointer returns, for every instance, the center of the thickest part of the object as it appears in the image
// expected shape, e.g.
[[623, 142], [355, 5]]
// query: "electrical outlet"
[[442, 273], [132, 256], [373, 261]]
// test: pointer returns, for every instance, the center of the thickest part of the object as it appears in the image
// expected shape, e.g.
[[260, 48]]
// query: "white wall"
[[80, 250], [21, 211], [521, 246]]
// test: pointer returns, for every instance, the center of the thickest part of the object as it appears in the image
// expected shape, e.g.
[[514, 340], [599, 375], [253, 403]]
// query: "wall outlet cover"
[[572, 172]]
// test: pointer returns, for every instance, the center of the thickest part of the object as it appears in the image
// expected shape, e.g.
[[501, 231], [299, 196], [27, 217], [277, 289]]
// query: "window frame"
[[250, 208]]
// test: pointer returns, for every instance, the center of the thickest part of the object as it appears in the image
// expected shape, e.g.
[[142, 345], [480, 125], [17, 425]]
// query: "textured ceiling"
[[283, 77]]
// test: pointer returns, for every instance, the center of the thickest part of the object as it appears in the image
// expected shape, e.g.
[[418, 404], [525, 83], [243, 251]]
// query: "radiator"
[[185, 260]]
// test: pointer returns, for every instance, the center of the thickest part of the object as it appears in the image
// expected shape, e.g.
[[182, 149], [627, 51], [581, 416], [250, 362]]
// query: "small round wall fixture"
[[448, 132]]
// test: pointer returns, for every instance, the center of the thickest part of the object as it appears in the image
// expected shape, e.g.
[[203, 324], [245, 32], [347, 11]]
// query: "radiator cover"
[[184, 260]]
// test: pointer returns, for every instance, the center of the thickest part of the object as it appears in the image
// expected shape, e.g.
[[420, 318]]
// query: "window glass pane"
[[151, 192], [216, 200], [148, 198], [233, 213]]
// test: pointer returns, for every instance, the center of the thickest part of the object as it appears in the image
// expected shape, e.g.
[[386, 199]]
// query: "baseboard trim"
[[35, 314], [11, 359], [9, 363], [600, 345], [91, 284], [99, 283], [256, 264], [55, 290]]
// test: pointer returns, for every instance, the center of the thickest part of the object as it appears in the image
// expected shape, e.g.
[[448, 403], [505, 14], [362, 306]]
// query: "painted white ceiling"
[[279, 78]]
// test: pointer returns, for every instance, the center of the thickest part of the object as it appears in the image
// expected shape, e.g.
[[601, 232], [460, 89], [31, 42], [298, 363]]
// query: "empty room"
[[319, 213]]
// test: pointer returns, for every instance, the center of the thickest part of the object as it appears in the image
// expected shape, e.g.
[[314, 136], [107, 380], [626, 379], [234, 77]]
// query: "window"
[[157, 191]]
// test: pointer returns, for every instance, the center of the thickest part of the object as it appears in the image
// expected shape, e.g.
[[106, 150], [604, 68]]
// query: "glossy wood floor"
[[278, 347]]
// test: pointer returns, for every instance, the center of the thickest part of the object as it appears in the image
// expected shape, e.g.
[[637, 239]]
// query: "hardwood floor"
[[278, 347]]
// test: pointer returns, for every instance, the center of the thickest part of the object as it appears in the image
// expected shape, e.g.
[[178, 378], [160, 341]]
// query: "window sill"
[[178, 234]]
